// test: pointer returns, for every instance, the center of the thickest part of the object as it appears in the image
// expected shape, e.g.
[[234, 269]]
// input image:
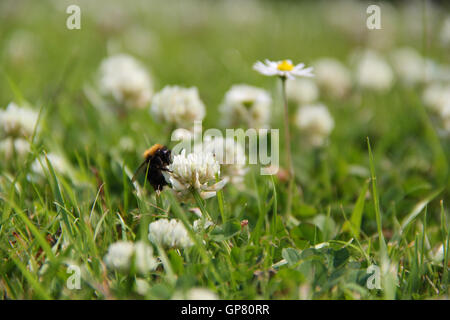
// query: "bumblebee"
[[157, 158]]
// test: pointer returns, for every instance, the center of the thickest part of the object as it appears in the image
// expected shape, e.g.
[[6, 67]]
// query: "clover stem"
[[201, 205]]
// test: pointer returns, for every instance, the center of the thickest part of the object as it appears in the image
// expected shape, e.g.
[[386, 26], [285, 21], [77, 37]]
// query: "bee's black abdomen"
[[156, 179], [158, 162]]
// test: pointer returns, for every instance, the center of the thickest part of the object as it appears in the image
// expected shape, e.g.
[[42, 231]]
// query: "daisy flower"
[[284, 69]]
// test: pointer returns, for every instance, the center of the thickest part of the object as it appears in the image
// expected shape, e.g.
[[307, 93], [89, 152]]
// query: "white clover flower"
[[373, 72], [11, 146], [143, 257], [302, 90], [195, 294], [119, 255], [59, 164], [409, 66], [126, 81], [171, 234], [196, 171], [333, 77], [284, 69], [18, 121], [315, 122], [244, 104], [178, 106], [230, 155], [436, 96]]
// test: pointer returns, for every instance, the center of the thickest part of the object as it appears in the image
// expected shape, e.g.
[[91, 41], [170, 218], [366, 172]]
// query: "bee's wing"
[[144, 165]]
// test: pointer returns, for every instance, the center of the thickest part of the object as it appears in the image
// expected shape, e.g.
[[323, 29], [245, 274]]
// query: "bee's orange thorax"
[[150, 152]]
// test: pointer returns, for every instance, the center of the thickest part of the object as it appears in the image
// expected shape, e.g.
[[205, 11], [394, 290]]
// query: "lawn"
[[364, 216]]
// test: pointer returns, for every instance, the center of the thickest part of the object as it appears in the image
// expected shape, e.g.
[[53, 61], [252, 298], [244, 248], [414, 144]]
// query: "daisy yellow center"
[[285, 66]]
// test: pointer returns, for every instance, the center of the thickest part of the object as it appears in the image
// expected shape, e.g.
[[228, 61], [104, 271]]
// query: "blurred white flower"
[[437, 254], [347, 16], [436, 96], [143, 257], [198, 224], [283, 68], [18, 121], [195, 294], [445, 32], [21, 47], [59, 164], [409, 66], [127, 144], [246, 104], [230, 155], [414, 11], [315, 122], [196, 171], [445, 117], [373, 72], [302, 90], [182, 134], [119, 255], [11, 146], [171, 234], [178, 106], [142, 286], [124, 79], [333, 77]]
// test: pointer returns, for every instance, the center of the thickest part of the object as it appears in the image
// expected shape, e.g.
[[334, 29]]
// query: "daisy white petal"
[[284, 69]]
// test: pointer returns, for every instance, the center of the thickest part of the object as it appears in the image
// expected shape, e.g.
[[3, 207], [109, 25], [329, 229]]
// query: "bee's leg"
[[158, 192], [165, 169]]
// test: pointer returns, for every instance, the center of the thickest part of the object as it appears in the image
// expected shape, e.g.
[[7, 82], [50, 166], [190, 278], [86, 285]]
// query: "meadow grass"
[[377, 194]]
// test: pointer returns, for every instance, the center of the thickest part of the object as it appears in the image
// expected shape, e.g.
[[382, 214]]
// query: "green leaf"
[[291, 255], [354, 224], [419, 207], [307, 231], [340, 257], [306, 211]]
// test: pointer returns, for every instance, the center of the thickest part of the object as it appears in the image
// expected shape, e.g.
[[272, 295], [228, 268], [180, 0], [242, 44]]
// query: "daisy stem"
[[287, 137]]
